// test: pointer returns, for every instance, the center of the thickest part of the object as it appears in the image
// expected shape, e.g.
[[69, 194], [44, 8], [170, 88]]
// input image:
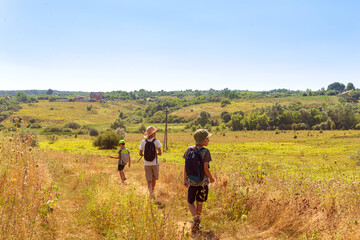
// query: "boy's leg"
[[153, 183], [149, 179], [122, 175], [198, 208], [191, 200]]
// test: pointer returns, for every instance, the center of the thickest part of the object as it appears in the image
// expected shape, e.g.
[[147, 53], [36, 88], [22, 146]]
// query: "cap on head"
[[121, 142], [150, 131], [200, 135]]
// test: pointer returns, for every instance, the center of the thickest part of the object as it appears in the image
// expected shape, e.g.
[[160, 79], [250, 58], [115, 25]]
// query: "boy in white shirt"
[[150, 148]]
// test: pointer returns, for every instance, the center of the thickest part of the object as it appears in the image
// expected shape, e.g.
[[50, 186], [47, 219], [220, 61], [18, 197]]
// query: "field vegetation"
[[275, 178], [268, 185]]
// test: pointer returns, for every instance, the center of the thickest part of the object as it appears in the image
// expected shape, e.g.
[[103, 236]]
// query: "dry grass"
[[58, 113], [27, 196]]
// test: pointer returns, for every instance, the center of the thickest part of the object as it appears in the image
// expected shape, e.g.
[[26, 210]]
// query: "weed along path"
[[73, 221]]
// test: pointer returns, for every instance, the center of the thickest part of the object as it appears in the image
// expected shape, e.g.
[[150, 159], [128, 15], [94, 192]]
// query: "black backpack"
[[150, 150], [194, 166]]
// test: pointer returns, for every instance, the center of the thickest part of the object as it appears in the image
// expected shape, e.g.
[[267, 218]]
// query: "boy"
[[124, 158], [150, 148], [198, 186]]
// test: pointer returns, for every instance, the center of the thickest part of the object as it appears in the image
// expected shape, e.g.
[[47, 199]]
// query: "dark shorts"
[[198, 193], [121, 167]]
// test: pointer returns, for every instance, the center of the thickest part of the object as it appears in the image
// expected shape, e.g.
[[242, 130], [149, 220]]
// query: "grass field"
[[102, 115], [269, 185], [282, 185], [246, 105], [59, 113]]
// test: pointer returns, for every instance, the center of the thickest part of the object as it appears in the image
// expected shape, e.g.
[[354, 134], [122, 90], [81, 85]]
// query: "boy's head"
[[201, 137], [122, 143], [150, 132]]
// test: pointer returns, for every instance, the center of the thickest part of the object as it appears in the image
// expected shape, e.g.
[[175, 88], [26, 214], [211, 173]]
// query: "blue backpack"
[[194, 166]]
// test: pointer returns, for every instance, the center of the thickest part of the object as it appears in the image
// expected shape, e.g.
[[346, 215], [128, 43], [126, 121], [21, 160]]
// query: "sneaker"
[[196, 225]]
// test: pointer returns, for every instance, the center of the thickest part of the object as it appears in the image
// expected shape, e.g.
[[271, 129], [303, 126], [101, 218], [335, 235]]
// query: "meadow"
[[269, 185], [247, 105]]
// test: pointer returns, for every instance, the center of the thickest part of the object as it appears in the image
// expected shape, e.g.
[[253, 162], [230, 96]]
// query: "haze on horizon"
[[171, 45]]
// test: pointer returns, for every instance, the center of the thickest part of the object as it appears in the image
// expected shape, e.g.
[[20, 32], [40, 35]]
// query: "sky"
[[111, 45]]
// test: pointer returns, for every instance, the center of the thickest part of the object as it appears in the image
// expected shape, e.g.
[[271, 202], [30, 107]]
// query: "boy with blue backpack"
[[197, 175], [124, 158]]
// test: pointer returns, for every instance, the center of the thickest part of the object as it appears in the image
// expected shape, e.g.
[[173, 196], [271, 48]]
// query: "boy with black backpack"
[[197, 175], [124, 158], [150, 148]]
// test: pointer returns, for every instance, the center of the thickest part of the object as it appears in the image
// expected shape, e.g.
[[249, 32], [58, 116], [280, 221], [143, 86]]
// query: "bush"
[[35, 125], [225, 102], [32, 120], [72, 125], [118, 124], [67, 130], [53, 129], [357, 127], [121, 132], [142, 128], [107, 140], [93, 132]]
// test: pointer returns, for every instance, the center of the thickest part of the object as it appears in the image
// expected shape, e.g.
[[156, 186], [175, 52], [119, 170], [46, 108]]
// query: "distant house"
[[345, 94], [96, 96], [8, 98], [78, 98]]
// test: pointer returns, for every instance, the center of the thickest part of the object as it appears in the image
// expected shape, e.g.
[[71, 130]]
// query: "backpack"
[[150, 150], [124, 156], [194, 166]]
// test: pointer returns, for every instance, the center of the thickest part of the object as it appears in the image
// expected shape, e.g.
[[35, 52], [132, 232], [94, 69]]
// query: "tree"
[[226, 117], [350, 86], [336, 86], [203, 119], [118, 124], [49, 92], [343, 115], [235, 122]]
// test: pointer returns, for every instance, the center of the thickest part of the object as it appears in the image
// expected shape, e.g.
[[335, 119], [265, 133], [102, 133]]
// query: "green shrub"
[[72, 125], [93, 132], [118, 124], [53, 129], [107, 140], [67, 130], [35, 125], [142, 128]]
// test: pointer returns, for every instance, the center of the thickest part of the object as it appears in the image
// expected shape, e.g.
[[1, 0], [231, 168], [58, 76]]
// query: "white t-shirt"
[[157, 146]]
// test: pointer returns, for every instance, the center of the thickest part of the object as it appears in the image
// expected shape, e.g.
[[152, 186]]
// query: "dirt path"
[[74, 222]]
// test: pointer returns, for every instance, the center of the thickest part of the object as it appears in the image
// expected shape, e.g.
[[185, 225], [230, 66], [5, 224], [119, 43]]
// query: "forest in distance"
[[330, 109]]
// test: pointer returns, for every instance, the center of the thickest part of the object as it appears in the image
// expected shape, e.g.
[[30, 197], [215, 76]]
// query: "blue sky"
[[107, 45]]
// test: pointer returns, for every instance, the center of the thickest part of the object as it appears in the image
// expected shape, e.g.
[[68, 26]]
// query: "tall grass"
[[27, 196]]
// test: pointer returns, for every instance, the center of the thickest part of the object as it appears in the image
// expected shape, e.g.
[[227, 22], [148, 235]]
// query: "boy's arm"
[[129, 160], [207, 172], [185, 177], [141, 153], [116, 157], [159, 151]]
